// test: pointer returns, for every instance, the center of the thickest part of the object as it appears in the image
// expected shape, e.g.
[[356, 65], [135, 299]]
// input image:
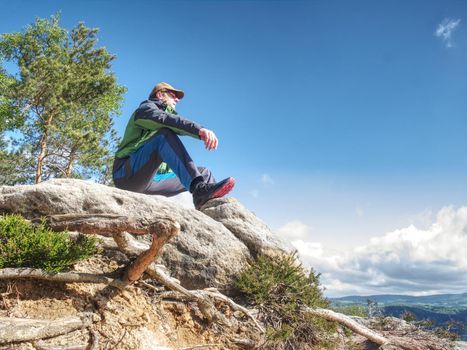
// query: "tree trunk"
[[69, 166], [40, 159], [43, 149]]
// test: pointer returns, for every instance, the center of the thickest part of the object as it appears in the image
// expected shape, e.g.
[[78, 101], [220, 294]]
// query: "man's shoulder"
[[151, 104], [148, 108]]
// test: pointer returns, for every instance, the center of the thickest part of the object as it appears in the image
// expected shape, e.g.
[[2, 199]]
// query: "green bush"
[[408, 316], [23, 244], [278, 288], [352, 310]]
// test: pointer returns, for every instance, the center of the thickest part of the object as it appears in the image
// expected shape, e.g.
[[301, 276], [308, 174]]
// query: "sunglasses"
[[171, 93]]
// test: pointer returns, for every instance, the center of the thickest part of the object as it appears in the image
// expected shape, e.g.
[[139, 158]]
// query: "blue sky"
[[340, 120]]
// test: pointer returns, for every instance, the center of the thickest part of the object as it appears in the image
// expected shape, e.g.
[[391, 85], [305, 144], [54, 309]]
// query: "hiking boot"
[[204, 191]]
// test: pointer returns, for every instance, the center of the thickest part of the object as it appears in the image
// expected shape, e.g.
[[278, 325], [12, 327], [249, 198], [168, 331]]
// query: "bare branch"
[[94, 340], [39, 345], [219, 296], [23, 329], [348, 322], [201, 346], [66, 277], [162, 232], [104, 224]]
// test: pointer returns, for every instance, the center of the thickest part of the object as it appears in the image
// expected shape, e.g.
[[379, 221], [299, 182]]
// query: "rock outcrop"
[[210, 250], [213, 246]]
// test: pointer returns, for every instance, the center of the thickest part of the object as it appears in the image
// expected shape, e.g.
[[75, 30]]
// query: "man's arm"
[[150, 116]]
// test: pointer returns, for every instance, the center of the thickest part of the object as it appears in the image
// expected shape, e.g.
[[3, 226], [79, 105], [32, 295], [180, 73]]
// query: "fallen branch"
[[200, 346], [39, 345], [348, 322], [397, 342], [67, 277], [150, 286], [244, 343], [23, 329], [103, 224]]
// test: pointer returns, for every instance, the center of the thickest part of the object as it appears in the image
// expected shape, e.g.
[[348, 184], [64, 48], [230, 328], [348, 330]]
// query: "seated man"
[[151, 158]]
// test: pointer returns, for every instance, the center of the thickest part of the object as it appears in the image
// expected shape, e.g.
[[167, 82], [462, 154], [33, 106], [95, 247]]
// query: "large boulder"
[[246, 226], [205, 253]]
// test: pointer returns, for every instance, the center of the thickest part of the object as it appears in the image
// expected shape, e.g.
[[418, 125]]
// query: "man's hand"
[[209, 138]]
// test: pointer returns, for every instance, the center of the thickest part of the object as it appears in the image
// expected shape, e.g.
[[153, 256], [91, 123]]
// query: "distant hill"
[[440, 308], [422, 314], [439, 318], [458, 301]]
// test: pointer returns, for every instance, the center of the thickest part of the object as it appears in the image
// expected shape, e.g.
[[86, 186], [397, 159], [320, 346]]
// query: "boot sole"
[[221, 192]]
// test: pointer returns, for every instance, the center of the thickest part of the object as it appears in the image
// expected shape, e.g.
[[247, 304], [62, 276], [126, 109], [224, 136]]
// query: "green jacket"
[[149, 118]]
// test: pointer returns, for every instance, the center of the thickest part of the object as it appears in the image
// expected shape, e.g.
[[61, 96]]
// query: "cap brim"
[[178, 93]]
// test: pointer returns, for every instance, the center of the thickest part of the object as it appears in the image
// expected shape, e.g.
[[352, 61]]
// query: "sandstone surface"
[[210, 250]]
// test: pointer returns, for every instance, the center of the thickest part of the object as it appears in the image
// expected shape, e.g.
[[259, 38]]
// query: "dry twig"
[[200, 346], [68, 277], [23, 329]]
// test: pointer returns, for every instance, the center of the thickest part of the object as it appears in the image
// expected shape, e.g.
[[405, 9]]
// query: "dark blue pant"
[[136, 172]]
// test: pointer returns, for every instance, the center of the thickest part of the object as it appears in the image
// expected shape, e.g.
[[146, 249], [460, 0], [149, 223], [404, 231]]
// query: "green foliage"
[[7, 109], [12, 166], [64, 96], [25, 245], [408, 316], [278, 288], [352, 310], [448, 331]]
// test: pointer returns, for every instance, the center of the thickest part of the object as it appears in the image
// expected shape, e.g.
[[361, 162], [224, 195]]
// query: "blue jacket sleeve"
[[150, 116]]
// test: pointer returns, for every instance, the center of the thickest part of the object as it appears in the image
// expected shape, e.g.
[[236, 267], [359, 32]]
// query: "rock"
[[248, 228], [148, 340], [206, 253]]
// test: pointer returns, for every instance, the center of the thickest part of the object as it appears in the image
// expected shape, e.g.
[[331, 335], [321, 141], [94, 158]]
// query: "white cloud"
[[423, 219], [266, 179], [445, 30], [294, 230], [409, 260]]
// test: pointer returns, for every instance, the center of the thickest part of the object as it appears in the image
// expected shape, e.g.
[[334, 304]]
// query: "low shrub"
[[278, 288], [352, 310], [23, 244]]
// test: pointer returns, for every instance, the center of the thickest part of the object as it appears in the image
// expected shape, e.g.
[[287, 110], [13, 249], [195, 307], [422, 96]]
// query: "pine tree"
[[64, 96]]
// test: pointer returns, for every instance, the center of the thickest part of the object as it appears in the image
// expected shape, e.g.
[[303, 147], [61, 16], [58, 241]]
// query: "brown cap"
[[165, 86]]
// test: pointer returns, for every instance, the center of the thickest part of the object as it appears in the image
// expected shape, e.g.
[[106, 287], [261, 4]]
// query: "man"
[[152, 159]]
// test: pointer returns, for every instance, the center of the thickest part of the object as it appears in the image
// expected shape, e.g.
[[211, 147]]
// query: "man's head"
[[167, 94]]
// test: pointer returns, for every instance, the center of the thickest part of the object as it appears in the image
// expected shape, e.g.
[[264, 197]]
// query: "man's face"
[[168, 97]]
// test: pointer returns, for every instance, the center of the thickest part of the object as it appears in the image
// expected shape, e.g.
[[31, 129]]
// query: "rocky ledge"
[[213, 246]]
